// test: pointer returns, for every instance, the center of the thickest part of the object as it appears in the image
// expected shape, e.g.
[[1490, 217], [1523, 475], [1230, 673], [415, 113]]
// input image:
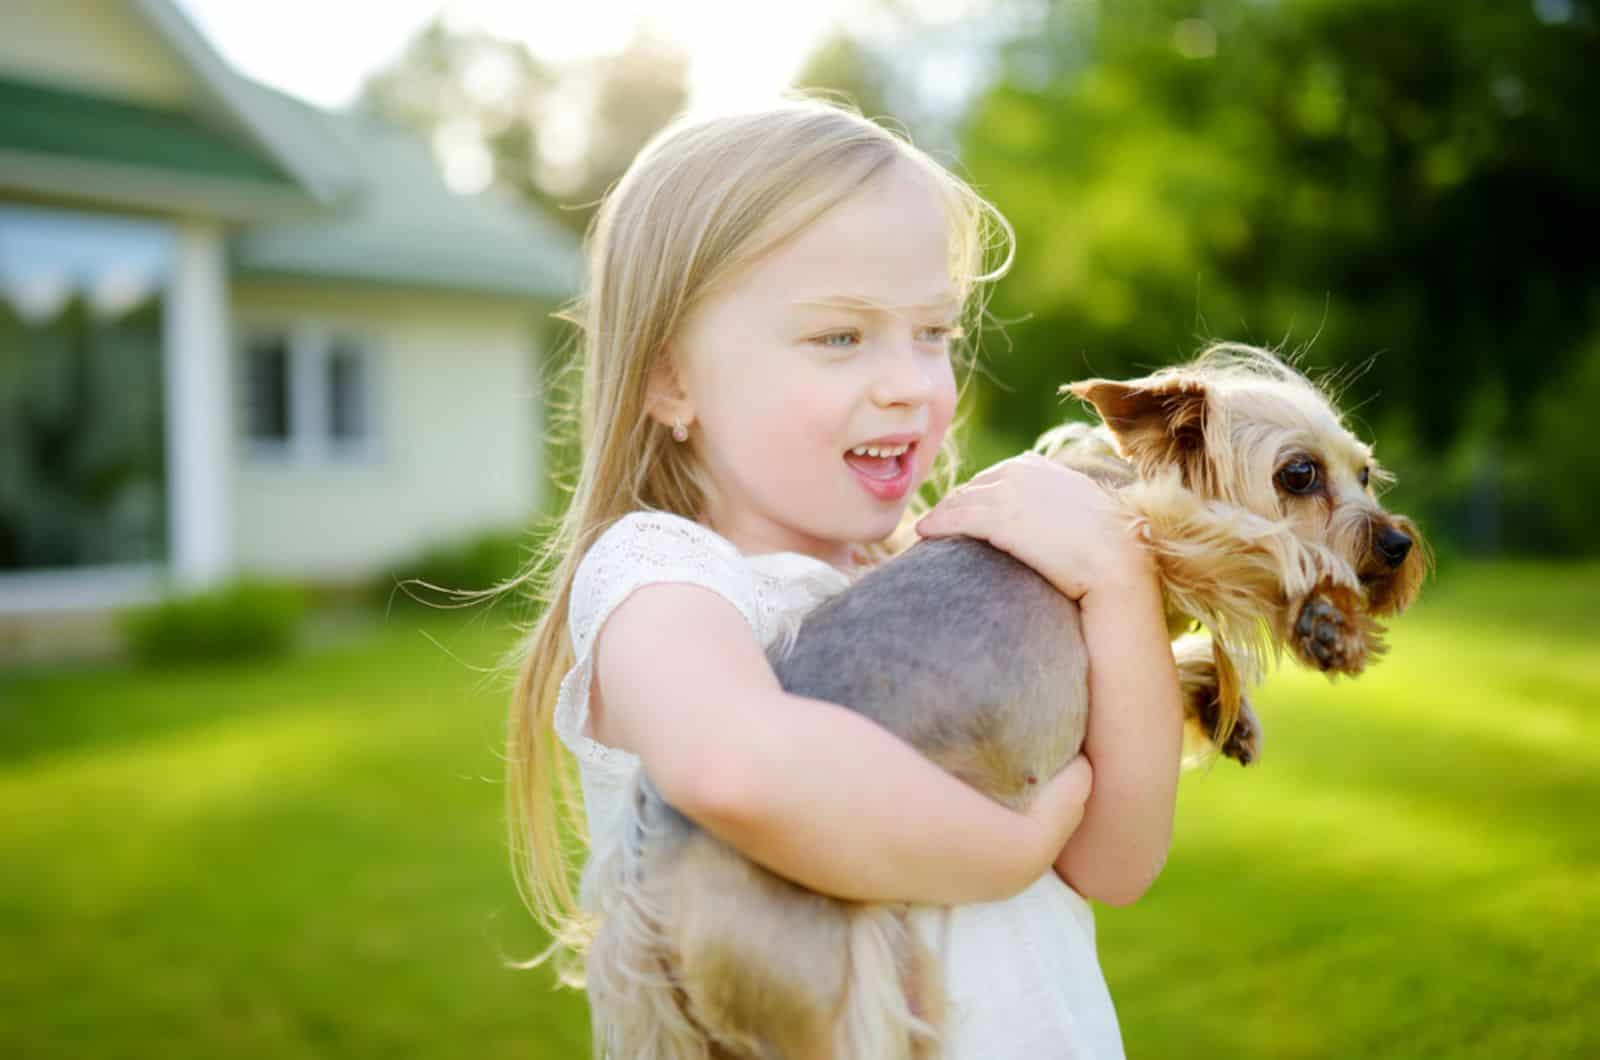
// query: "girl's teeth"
[[880, 450]]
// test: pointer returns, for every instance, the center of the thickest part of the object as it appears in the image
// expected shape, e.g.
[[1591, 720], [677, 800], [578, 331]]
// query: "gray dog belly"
[[962, 651]]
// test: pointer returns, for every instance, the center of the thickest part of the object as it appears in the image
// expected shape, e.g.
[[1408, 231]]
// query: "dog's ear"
[[1154, 421]]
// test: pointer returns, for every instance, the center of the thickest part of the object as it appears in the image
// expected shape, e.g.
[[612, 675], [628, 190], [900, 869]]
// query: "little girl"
[[769, 327]]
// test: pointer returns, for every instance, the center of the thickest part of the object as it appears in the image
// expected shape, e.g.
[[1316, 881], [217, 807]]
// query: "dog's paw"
[[1329, 632], [1243, 744]]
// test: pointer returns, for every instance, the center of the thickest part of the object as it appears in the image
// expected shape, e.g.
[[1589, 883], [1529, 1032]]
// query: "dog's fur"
[[978, 662]]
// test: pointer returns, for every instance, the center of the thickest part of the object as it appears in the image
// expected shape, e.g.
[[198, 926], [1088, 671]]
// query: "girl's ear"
[[665, 399]]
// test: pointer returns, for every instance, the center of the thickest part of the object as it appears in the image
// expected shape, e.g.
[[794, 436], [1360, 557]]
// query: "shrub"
[[247, 617], [433, 576]]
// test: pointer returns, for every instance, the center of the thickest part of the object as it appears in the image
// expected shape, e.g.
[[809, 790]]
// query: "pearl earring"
[[680, 433]]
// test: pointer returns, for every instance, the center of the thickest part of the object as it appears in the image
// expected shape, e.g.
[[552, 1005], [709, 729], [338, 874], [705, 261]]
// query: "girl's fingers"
[[996, 472], [963, 494], [960, 512], [1075, 779], [976, 487], [943, 522], [987, 476], [1062, 799]]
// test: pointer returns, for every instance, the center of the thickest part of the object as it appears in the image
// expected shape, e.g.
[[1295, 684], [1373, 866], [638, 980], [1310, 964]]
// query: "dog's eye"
[[1366, 473], [1298, 476]]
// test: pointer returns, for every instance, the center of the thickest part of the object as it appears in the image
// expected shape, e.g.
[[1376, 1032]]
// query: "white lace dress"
[[1021, 975]]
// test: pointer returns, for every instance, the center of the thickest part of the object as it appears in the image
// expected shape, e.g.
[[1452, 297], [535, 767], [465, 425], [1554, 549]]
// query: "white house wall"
[[456, 429]]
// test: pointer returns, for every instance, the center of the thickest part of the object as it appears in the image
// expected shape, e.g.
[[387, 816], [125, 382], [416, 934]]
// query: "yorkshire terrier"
[[1258, 505]]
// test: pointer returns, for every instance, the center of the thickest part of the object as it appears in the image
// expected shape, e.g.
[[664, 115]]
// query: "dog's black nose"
[[1393, 546]]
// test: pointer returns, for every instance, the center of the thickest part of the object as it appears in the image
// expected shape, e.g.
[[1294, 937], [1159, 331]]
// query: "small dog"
[[1258, 506]]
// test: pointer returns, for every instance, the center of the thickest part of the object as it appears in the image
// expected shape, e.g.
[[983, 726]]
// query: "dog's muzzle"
[[1393, 545]]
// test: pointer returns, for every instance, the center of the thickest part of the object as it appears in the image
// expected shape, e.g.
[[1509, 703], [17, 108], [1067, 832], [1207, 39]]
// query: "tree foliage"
[[1361, 177], [1392, 188], [1400, 177], [558, 135]]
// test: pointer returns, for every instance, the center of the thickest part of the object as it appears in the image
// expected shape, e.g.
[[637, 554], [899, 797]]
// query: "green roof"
[[47, 120], [325, 195], [399, 222]]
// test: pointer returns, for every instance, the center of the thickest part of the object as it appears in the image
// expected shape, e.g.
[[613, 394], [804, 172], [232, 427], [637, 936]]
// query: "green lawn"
[[1413, 870], [304, 858], [297, 859]]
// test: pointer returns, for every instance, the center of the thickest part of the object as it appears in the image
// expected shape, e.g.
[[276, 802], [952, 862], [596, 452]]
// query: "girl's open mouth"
[[884, 470]]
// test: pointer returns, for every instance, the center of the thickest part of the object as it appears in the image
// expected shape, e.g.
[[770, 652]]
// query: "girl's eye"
[[938, 333], [838, 339]]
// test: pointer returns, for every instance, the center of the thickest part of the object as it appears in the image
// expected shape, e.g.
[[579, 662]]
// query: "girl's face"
[[819, 381]]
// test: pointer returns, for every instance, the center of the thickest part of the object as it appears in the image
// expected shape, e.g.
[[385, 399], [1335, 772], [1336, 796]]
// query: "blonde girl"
[[770, 327]]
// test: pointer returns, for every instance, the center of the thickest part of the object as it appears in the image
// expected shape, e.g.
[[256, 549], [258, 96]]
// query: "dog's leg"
[[1213, 701], [769, 982], [793, 974]]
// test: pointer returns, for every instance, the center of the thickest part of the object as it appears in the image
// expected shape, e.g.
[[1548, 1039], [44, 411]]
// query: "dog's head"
[[1242, 426]]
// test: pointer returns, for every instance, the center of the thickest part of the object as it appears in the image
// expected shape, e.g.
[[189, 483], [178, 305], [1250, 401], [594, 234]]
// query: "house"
[[238, 333]]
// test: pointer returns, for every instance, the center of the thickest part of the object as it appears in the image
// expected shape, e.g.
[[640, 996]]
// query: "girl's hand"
[[1057, 520], [1058, 807]]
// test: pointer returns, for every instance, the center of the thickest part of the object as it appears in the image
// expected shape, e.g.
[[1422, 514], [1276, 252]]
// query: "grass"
[[298, 859], [1412, 869], [304, 858]]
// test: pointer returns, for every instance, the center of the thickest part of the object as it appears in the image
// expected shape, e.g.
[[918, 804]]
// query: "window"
[[266, 411], [308, 395], [83, 458], [347, 393]]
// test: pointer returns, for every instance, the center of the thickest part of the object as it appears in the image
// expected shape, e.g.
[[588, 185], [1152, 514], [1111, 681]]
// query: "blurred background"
[[276, 355]]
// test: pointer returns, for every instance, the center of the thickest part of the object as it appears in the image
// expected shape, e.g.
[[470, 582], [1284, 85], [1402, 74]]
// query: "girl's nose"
[[906, 378]]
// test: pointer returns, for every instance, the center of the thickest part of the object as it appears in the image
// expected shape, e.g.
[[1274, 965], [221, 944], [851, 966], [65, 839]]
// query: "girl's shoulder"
[[653, 536], [649, 547]]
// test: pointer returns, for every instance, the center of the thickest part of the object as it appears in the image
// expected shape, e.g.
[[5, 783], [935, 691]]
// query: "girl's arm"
[[1134, 739], [1064, 525], [813, 791]]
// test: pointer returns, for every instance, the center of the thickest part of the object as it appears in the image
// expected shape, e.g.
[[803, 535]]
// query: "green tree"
[[846, 65], [1403, 179], [556, 135]]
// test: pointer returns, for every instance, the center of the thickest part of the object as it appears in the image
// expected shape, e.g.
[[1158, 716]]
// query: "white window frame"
[[310, 398]]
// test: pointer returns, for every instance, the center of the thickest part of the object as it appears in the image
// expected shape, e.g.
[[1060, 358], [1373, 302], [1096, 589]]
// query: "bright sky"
[[320, 51]]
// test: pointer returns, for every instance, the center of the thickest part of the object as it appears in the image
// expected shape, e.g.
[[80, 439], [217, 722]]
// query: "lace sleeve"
[[641, 548]]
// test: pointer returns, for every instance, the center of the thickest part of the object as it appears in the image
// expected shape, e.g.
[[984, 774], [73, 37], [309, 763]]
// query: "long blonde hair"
[[702, 200]]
